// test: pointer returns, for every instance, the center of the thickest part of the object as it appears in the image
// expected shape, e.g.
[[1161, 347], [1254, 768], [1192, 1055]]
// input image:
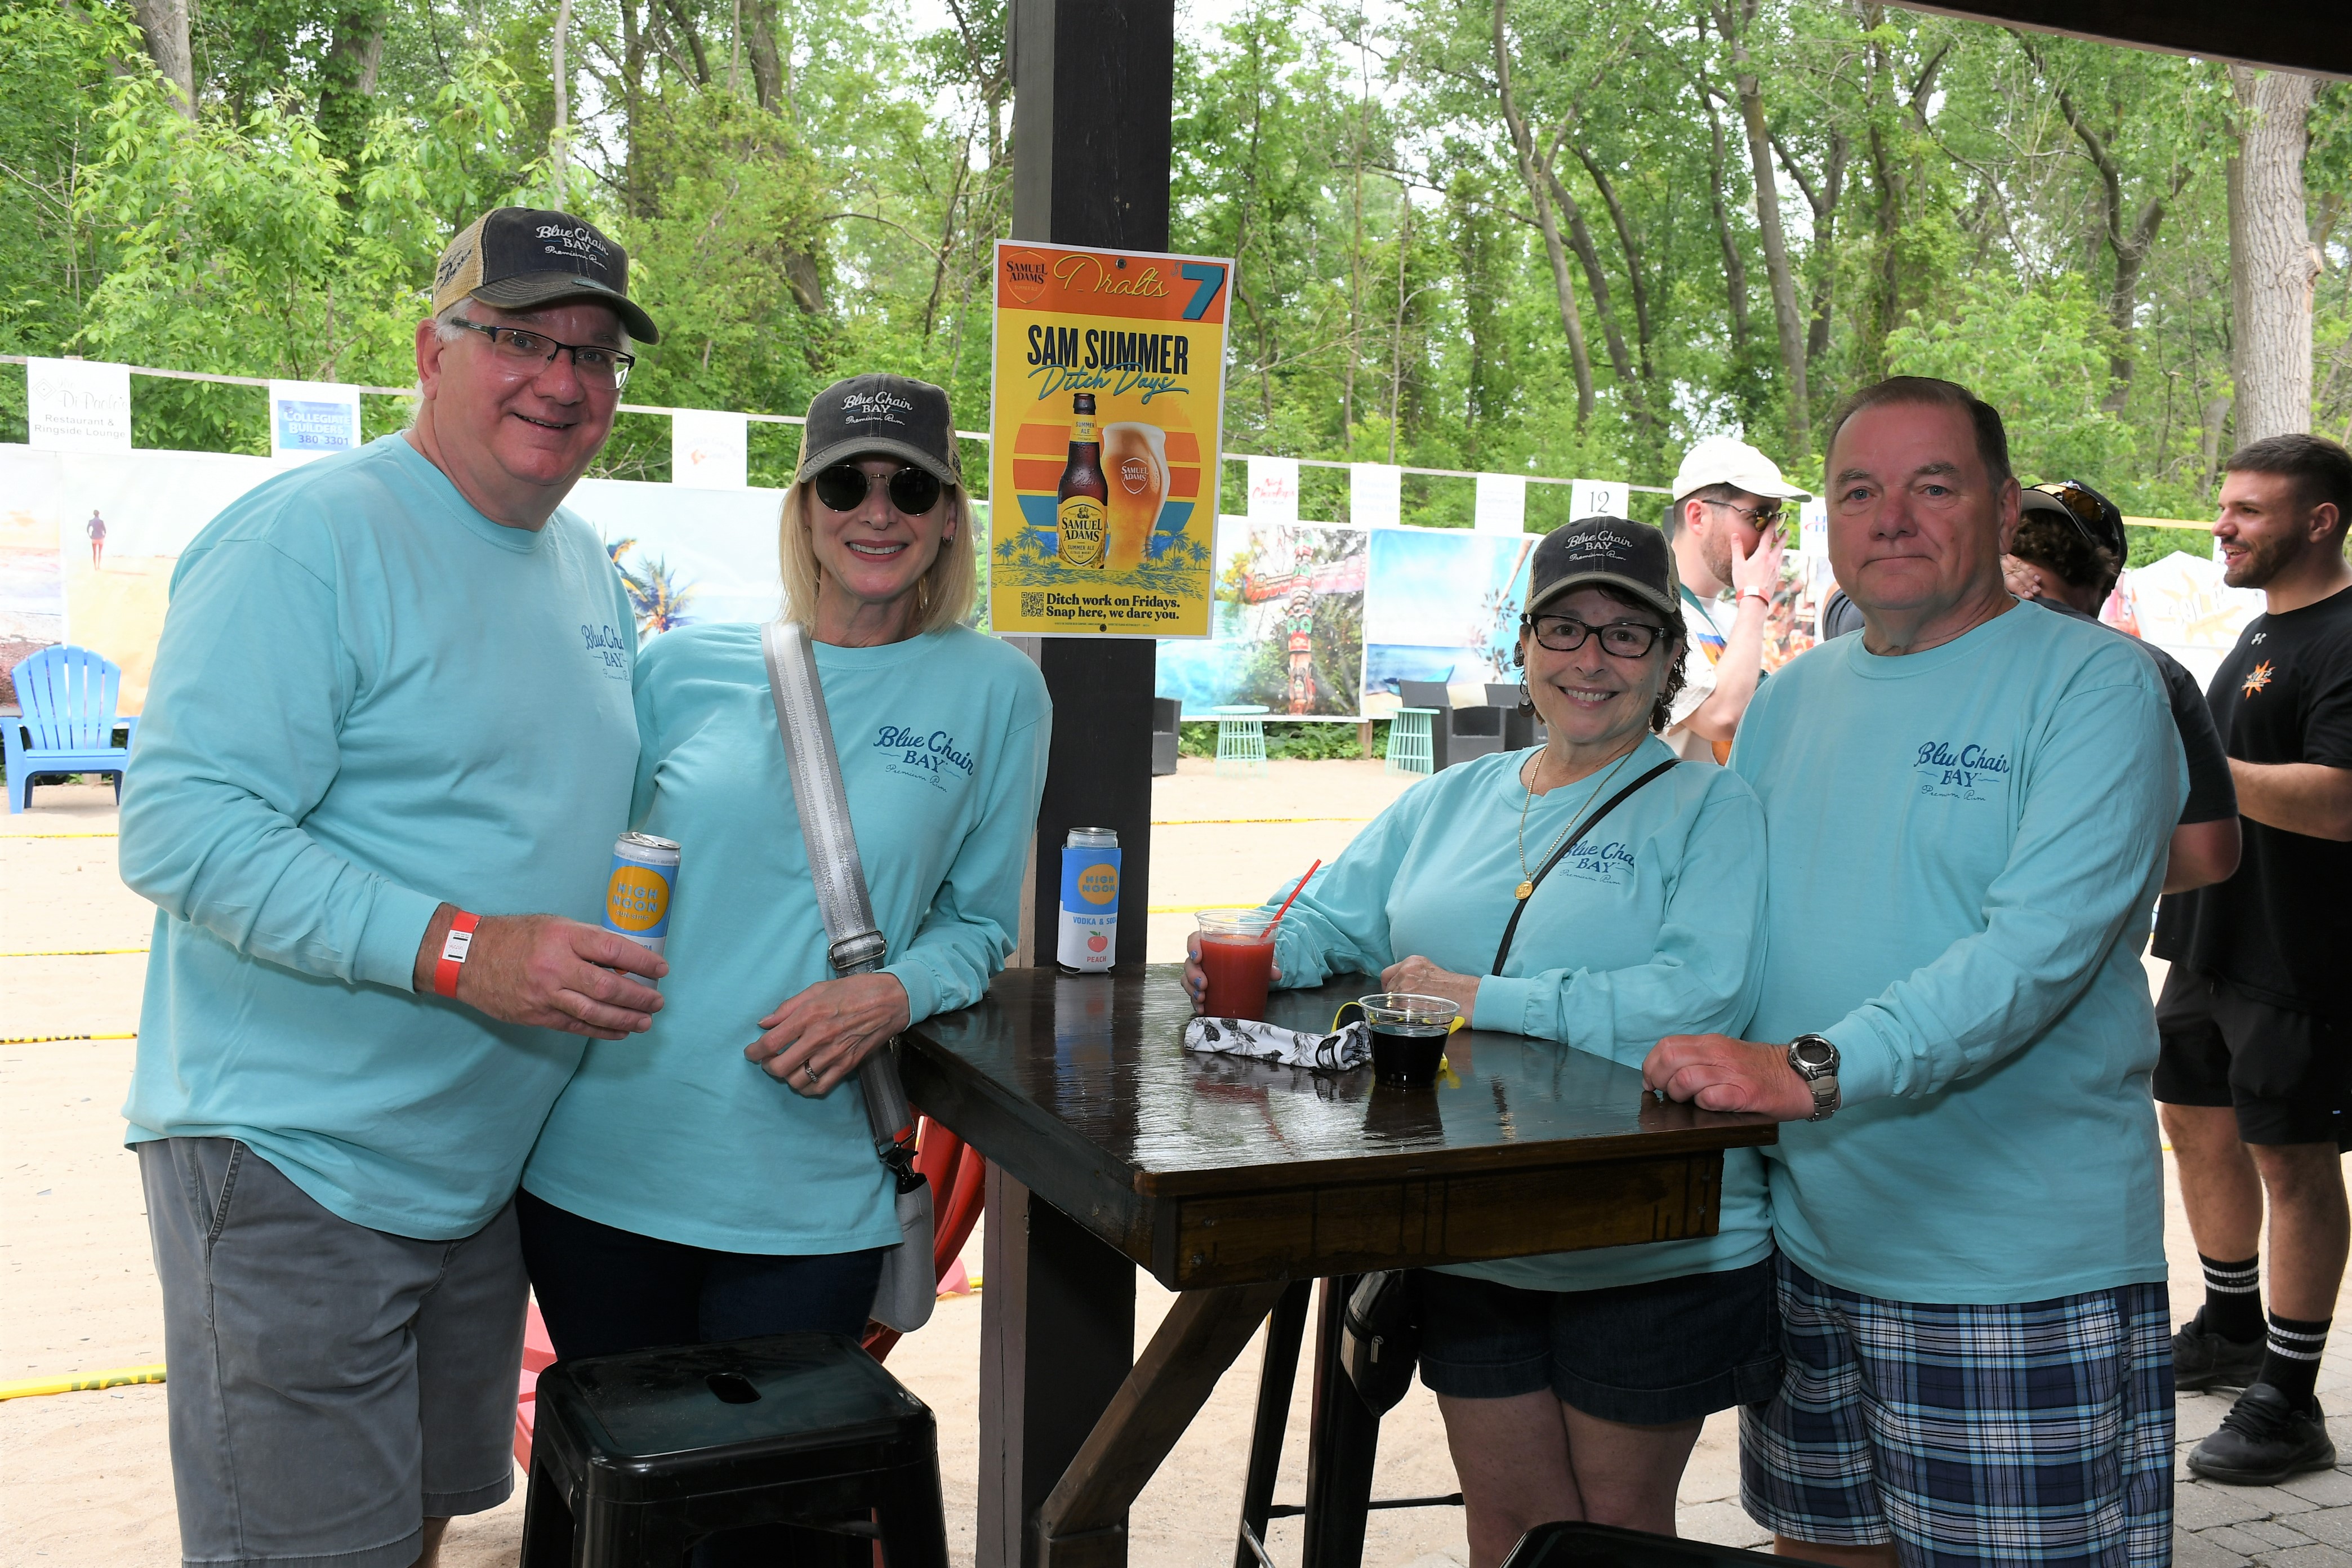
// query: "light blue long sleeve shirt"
[[942, 740], [369, 699], [1966, 843], [1653, 926]]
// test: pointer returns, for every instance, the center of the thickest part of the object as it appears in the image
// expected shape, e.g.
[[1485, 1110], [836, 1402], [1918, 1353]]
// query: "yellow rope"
[[1238, 821], [72, 952], [78, 1382], [45, 1040], [6, 837]]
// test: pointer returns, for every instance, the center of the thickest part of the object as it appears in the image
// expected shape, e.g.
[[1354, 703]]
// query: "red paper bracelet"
[[453, 952]]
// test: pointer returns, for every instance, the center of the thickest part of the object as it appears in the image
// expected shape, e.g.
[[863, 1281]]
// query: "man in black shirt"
[[2068, 551], [2256, 1015]]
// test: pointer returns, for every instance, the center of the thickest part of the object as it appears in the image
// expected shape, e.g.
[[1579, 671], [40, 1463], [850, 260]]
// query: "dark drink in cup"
[[1237, 959], [1408, 1037]]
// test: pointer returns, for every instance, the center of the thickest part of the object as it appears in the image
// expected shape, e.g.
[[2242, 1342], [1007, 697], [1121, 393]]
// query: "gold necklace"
[[1527, 878]]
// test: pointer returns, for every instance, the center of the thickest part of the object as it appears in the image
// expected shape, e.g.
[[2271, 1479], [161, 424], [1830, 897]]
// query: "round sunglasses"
[[844, 486]]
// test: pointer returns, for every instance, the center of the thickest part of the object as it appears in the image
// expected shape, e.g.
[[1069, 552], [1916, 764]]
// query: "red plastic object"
[[537, 1355]]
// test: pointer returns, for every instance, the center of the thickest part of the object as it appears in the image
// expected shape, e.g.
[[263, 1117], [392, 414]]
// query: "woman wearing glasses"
[[1574, 1385], [714, 1177]]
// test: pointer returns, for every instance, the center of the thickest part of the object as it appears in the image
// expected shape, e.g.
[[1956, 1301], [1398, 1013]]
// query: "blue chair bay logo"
[[924, 753], [1960, 771]]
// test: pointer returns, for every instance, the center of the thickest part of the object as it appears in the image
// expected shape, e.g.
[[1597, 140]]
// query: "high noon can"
[[1087, 940], [637, 893]]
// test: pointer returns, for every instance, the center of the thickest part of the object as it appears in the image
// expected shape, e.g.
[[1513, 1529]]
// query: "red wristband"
[[453, 952]]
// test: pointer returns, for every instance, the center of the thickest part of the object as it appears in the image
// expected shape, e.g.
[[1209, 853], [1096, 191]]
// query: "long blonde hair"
[[943, 595]]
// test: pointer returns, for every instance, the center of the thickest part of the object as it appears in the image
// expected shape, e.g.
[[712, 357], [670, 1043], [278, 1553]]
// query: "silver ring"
[[809, 1068]]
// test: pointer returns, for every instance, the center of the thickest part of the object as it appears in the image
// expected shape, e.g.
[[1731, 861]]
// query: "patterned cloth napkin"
[[1350, 1047]]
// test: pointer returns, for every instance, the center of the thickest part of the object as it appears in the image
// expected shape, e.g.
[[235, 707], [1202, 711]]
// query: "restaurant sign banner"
[[1108, 411]]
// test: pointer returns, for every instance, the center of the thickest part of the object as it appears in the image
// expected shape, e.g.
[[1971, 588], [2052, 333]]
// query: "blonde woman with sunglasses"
[[713, 1178]]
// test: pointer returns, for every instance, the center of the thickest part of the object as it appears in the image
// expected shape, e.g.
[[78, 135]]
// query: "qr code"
[[1033, 605]]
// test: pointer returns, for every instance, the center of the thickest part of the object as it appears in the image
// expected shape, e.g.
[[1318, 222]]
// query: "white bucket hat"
[[1728, 461]]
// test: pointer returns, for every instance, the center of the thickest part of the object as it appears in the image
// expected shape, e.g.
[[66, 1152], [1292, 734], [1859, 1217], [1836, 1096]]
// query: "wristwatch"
[[1815, 1060]]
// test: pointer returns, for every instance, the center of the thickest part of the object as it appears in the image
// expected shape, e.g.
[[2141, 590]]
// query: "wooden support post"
[[1083, 1522], [1057, 1337]]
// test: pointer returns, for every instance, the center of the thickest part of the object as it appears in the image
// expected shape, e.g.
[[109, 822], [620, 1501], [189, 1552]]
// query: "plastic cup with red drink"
[[1237, 959]]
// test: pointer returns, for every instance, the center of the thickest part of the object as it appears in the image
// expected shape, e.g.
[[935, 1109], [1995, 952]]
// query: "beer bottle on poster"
[[1081, 505]]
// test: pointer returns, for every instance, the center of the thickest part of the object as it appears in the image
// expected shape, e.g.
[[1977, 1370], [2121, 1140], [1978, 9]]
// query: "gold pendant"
[[1525, 889]]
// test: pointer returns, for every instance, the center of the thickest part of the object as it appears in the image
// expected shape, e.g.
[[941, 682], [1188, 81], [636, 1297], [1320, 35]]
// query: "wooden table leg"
[[1057, 1337], [1083, 1521], [1344, 1438]]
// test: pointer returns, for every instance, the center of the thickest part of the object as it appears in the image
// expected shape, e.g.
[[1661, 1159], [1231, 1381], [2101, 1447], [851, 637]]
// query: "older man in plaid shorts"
[[1968, 808]]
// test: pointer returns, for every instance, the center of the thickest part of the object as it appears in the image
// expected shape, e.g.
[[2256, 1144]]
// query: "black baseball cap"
[[881, 416], [1602, 551], [2091, 514], [519, 258]]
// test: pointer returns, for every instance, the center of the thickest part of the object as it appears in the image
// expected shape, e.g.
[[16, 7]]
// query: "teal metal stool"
[[1241, 740], [1409, 747]]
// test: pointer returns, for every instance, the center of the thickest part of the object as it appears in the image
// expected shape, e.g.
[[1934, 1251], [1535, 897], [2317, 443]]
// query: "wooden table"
[[1109, 1147]]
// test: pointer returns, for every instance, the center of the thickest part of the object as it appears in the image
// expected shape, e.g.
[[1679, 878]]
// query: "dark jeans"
[[604, 1290]]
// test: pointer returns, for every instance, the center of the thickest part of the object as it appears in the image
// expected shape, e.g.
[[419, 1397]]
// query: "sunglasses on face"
[[1764, 516], [844, 486]]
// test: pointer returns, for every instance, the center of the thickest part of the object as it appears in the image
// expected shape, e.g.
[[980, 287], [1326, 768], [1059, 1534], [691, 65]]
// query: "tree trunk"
[[767, 59], [164, 25], [1785, 314], [557, 153], [1580, 239], [1735, 266], [2271, 266], [1524, 145], [347, 82], [1634, 283]]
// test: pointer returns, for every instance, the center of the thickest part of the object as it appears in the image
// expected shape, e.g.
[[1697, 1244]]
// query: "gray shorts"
[[331, 1386]]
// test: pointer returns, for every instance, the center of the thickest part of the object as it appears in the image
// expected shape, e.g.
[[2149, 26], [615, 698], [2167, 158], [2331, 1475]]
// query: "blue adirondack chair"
[[67, 695]]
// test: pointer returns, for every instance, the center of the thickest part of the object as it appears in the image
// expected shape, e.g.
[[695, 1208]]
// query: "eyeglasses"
[[2083, 509], [525, 352], [1566, 634], [1764, 516], [844, 486]]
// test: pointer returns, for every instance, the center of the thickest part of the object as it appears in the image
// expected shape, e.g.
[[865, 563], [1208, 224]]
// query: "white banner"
[[311, 418], [1375, 495], [1599, 498], [78, 405], [1813, 528], [1274, 489], [1502, 504], [710, 450]]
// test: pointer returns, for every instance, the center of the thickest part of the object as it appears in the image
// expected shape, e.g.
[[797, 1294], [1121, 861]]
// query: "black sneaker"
[[2201, 1359], [2263, 1440]]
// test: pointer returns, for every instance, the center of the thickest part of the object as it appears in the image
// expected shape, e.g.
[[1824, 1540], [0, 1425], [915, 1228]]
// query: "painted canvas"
[[1287, 624], [1440, 605]]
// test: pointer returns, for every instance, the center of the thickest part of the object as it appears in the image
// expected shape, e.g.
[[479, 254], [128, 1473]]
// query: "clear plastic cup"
[[1238, 957], [1408, 1035]]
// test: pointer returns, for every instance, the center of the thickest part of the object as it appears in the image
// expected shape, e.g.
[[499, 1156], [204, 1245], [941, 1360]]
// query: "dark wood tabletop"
[[1211, 1170]]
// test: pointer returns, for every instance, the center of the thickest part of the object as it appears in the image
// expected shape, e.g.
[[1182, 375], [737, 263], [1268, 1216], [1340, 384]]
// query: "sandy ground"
[[84, 1478]]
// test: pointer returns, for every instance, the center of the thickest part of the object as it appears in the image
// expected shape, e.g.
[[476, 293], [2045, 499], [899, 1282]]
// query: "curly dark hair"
[[2060, 546], [1677, 633]]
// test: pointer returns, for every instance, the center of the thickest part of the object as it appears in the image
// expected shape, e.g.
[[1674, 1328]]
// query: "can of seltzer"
[[637, 893], [1087, 941]]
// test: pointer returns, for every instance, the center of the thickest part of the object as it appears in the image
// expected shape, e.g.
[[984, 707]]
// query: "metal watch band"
[[454, 947], [1822, 1080]]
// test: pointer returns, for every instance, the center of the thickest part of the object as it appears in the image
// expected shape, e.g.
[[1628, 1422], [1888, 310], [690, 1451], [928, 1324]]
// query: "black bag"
[[1379, 1336]]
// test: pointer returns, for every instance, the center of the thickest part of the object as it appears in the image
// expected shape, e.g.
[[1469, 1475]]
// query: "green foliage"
[[1290, 742]]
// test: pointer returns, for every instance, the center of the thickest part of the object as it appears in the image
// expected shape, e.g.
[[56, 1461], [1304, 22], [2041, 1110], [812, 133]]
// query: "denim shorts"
[[1646, 1355]]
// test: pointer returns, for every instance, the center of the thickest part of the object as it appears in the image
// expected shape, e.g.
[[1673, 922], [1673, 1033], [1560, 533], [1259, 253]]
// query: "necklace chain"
[[1527, 877]]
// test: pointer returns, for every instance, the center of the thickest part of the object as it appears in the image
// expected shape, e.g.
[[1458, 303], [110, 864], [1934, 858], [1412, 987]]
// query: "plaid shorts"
[[2035, 1433]]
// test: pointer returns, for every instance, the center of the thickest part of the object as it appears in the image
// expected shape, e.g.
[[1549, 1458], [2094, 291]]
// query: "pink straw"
[[1294, 894]]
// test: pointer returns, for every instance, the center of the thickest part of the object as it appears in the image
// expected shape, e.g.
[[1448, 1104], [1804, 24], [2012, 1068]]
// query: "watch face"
[[1816, 1053]]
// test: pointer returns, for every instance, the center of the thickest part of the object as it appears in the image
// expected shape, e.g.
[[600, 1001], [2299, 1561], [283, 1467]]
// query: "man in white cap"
[[1724, 528]]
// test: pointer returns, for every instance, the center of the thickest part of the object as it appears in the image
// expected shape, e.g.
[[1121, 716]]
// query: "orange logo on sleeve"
[[2257, 678]]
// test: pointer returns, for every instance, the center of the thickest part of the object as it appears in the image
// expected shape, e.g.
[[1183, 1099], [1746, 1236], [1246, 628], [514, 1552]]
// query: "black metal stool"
[[1343, 1440], [1606, 1546], [637, 1458]]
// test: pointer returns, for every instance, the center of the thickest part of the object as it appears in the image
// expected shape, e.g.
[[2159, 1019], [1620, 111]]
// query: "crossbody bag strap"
[[1611, 804], [853, 944]]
